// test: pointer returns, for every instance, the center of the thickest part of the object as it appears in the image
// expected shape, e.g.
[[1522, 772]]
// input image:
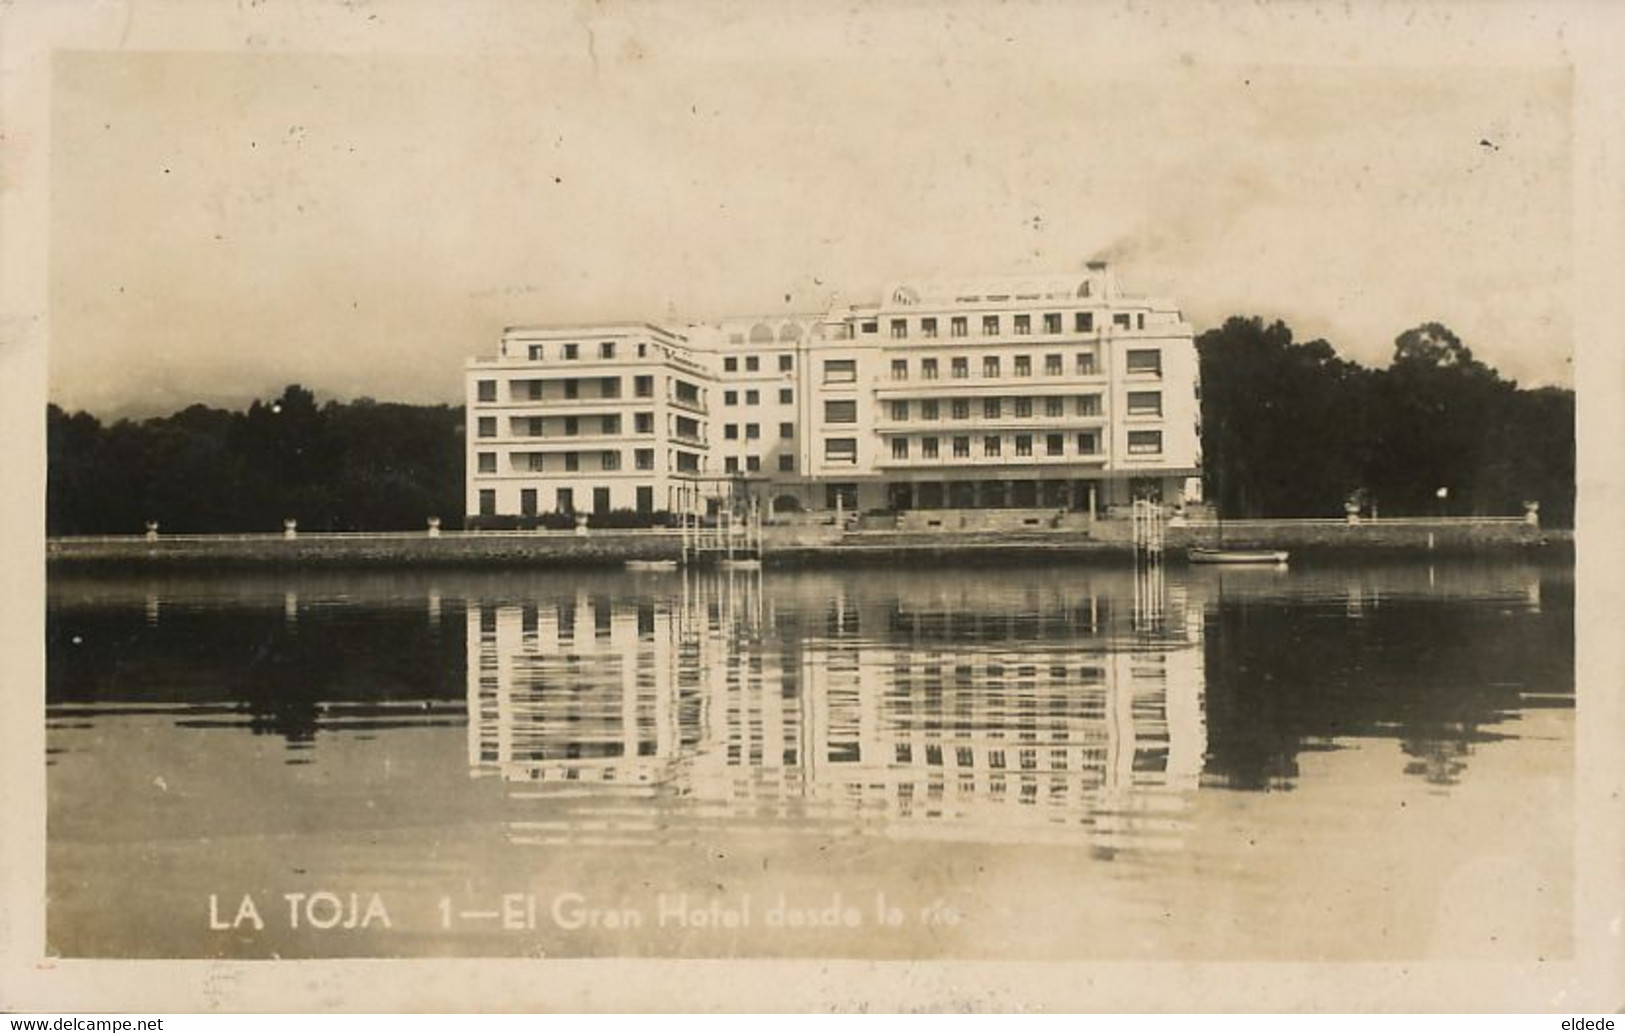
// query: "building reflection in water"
[[913, 713]]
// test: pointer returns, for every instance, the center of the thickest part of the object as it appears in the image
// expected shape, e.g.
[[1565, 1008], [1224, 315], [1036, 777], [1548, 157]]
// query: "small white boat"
[[651, 566], [1276, 557], [742, 563]]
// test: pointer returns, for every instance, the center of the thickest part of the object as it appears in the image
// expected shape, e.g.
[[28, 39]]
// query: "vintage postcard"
[[714, 506]]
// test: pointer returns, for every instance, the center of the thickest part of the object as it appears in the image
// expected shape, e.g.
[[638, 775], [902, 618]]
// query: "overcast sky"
[[224, 223]]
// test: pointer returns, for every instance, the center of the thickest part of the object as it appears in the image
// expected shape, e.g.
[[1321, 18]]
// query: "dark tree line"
[[361, 465], [1291, 430]]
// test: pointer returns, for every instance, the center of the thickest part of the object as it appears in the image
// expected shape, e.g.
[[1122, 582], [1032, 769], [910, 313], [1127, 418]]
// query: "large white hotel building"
[[1055, 392]]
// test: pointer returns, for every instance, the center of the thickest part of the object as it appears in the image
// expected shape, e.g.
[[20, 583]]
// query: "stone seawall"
[[796, 546]]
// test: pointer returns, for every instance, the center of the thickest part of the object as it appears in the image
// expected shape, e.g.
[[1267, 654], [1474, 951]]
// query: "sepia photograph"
[[710, 506]]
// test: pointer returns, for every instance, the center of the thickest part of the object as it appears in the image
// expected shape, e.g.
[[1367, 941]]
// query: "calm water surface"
[[1326, 763]]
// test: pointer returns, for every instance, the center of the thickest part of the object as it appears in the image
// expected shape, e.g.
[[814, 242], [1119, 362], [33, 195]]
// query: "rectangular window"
[[899, 329], [572, 426], [961, 448], [753, 363], [928, 409], [928, 326], [899, 410], [612, 460], [1054, 444], [1144, 442], [534, 353], [871, 326], [488, 502], [731, 431], [1024, 444], [1024, 365], [572, 352], [488, 462], [1052, 322], [643, 386], [688, 428], [645, 458], [753, 464], [959, 326], [730, 398], [840, 371], [1088, 443], [1083, 322], [990, 326], [1086, 364], [731, 464], [787, 363], [1024, 408], [928, 369], [753, 431], [533, 389], [992, 409], [753, 397], [1088, 405], [1052, 366], [488, 426], [566, 500], [688, 462], [990, 366], [1144, 360], [787, 396], [606, 349], [488, 390], [928, 448], [1024, 324], [840, 410], [787, 431], [1054, 408], [991, 445], [841, 450], [533, 426], [537, 462], [685, 392], [787, 464], [961, 408], [527, 501], [610, 424], [609, 387], [730, 364], [1120, 320], [961, 368], [643, 350], [646, 504], [572, 462], [1145, 403], [643, 422], [899, 448], [572, 388], [899, 369]]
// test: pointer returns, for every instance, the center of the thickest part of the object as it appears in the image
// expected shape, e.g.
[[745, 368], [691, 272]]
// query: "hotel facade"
[[1050, 393]]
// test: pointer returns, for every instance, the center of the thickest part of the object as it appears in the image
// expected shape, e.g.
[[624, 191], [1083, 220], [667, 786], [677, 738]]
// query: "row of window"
[[753, 464], [1083, 365], [992, 445], [1140, 442], [569, 462], [1136, 361], [787, 396], [572, 426], [1021, 324], [571, 351], [1140, 403], [570, 388], [753, 363], [787, 431], [565, 502]]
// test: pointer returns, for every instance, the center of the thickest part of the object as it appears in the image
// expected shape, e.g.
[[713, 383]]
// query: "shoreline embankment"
[[806, 545]]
